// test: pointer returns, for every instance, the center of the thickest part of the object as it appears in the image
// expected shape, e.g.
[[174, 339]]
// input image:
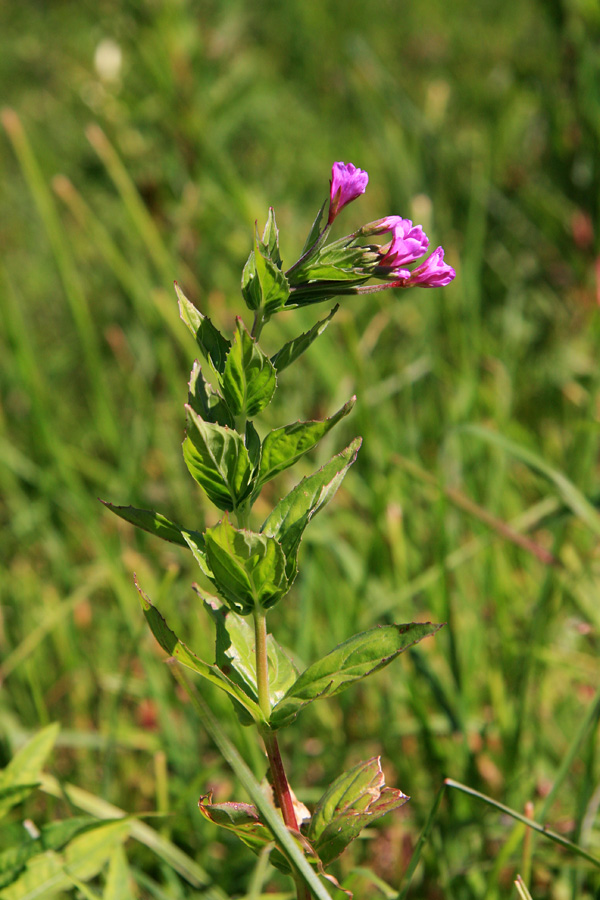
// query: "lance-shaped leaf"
[[20, 776], [252, 442], [292, 514], [236, 655], [249, 379], [270, 239], [315, 230], [248, 568], [284, 446], [206, 401], [213, 346], [351, 661], [355, 799], [218, 460], [156, 524], [296, 347], [171, 644]]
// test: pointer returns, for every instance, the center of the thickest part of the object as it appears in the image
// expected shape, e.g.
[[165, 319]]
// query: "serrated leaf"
[[290, 352], [24, 768], [249, 379], [213, 346], [156, 524], [206, 401], [284, 446], [248, 568], [235, 653], [292, 514], [315, 230], [218, 460], [171, 644], [354, 800], [351, 661]]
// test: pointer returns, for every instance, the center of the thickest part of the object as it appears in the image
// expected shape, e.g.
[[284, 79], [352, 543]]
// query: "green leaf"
[[274, 286], [354, 800], [249, 379], [156, 524], [118, 881], [351, 661], [248, 568], [270, 239], [252, 442], [251, 287], [285, 446], [315, 230], [52, 836], [199, 553], [213, 346], [218, 460], [236, 653], [292, 514], [20, 775], [171, 644], [206, 401], [243, 820], [290, 352]]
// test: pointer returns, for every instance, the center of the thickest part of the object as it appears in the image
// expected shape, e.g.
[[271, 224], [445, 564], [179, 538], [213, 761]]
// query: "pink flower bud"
[[347, 183]]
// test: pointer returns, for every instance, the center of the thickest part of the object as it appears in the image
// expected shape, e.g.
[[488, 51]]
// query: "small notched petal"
[[347, 183], [409, 243]]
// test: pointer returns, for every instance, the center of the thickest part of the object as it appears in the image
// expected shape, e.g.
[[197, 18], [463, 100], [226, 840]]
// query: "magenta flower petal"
[[347, 183], [409, 243], [434, 272]]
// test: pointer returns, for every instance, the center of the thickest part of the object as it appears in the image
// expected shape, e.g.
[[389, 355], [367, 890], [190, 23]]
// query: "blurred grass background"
[[141, 141]]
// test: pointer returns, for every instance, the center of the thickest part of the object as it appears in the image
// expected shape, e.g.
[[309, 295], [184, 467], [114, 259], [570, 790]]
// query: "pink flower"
[[434, 272], [409, 243], [347, 183]]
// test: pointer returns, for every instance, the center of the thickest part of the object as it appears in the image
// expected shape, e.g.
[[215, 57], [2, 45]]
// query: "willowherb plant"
[[252, 568]]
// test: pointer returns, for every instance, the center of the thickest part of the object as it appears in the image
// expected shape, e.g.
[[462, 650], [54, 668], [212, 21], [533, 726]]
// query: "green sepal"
[[249, 379], [284, 446], [20, 776], [236, 656], [292, 514], [290, 352], [354, 800], [171, 644], [248, 568], [206, 401], [156, 524], [349, 662], [213, 346], [342, 260], [315, 230], [218, 460]]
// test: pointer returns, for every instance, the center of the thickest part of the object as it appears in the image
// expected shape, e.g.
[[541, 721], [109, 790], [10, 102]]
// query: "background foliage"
[[481, 122]]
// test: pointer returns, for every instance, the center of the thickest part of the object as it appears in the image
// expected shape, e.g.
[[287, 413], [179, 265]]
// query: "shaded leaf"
[[284, 446], [156, 524], [292, 514], [236, 655], [249, 379], [213, 346], [296, 347], [354, 800], [206, 401], [15, 794], [218, 460], [351, 661], [252, 442], [248, 568], [171, 644]]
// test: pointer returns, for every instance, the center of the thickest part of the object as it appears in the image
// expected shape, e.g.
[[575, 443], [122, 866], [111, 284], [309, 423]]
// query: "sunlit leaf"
[[290, 352], [284, 446], [218, 460], [213, 346], [351, 661], [206, 401], [249, 379], [156, 524], [19, 777]]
